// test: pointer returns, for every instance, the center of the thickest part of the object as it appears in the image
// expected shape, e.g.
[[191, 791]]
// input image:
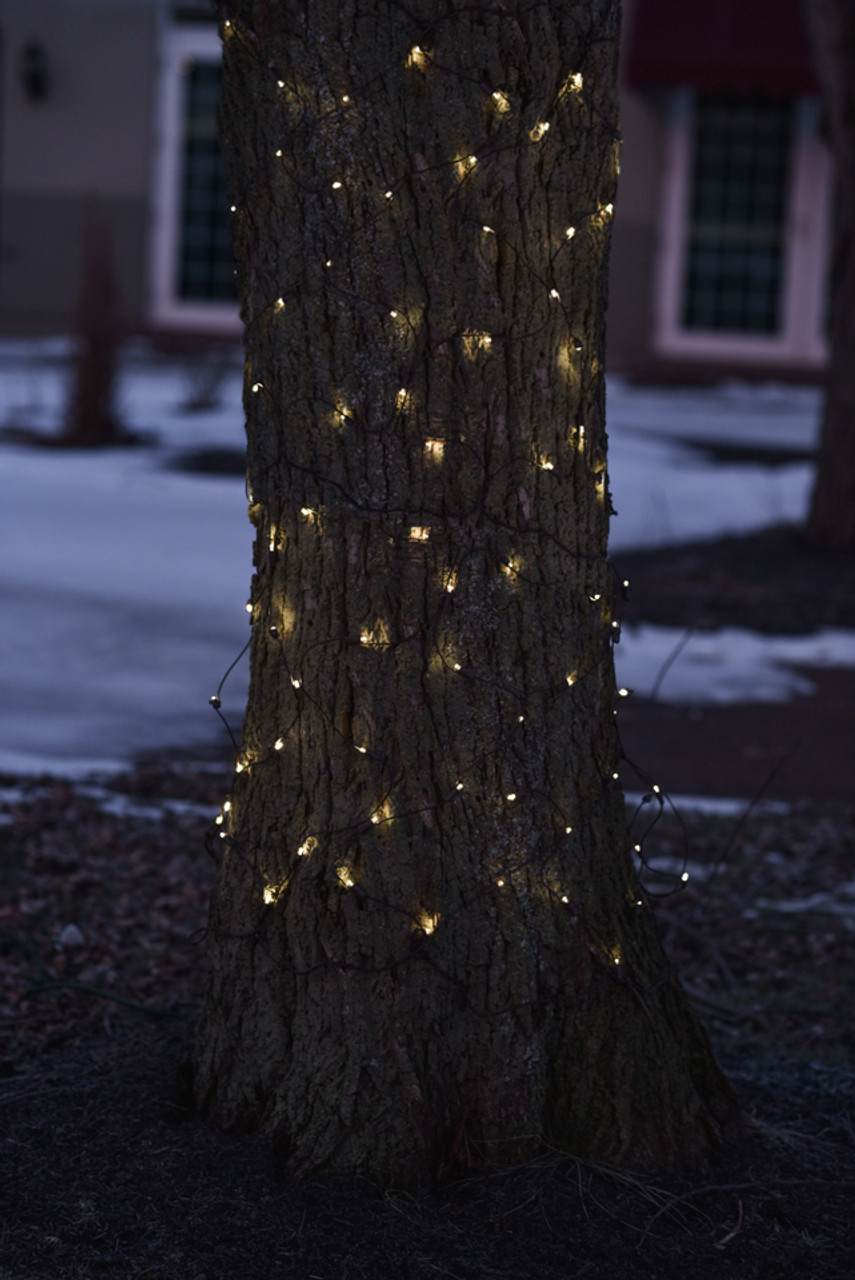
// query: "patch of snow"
[[123, 582], [727, 665]]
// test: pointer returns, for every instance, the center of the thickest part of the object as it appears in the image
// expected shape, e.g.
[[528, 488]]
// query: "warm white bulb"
[[570, 232], [336, 186], [279, 744]]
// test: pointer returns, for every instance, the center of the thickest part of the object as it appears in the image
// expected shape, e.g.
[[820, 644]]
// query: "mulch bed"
[[108, 1172]]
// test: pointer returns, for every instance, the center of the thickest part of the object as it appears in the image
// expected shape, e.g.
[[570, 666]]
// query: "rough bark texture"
[[832, 516], [427, 943]]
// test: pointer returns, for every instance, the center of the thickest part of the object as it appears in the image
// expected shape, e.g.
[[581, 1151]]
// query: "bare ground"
[[106, 1170]]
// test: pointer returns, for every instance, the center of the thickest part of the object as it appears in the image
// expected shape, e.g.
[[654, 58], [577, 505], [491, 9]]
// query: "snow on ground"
[[123, 582]]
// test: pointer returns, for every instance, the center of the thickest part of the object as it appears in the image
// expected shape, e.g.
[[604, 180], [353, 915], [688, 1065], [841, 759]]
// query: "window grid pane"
[[206, 266], [737, 220]]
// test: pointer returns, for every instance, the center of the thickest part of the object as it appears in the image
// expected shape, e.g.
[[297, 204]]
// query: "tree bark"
[[427, 941], [831, 522]]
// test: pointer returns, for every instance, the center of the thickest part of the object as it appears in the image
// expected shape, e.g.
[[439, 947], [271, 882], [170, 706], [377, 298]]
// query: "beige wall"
[[91, 136]]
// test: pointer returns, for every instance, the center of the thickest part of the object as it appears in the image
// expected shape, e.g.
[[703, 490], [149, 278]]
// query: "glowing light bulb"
[[553, 293], [520, 719], [362, 750], [239, 767], [336, 186], [512, 795], [656, 788], [394, 315], [328, 262], [501, 101], [539, 130], [257, 386], [615, 776], [279, 304], [279, 744], [458, 786], [345, 877], [219, 819], [419, 533], [595, 597], [571, 678], [345, 98], [564, 898], [684, 877], [488, 230], [227, 806], [307, 846], [295, 682], [457, 666], [434, 450], [500, 882], [388, 195], [608, 209], [570, 233], [279, 153], [623, 693], [248, 606]]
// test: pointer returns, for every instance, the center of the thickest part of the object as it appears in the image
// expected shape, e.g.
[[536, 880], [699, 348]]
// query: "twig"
[[719, 1244]]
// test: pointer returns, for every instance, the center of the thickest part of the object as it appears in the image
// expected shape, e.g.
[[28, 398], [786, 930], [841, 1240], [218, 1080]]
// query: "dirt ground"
[[106, 1170]]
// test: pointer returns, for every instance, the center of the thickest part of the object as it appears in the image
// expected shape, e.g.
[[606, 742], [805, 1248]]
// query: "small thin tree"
[[428, 944]]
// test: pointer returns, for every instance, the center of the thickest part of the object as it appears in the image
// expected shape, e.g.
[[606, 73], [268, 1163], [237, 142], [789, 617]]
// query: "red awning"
[[741, 45]]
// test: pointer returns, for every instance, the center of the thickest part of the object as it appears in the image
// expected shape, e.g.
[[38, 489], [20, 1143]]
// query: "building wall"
[[88, 140]]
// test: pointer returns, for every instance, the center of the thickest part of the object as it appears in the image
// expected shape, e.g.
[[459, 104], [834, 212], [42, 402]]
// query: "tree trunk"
[[831, 522], [427, 941]]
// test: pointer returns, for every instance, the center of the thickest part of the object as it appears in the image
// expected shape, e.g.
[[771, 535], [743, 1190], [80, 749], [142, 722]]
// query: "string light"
[[684, 877], [501, 102], [539, 131], [279, 744], [417, 58], [427, 922], [458, 786], [295, 682], [553, 293], [475, 341], [336, 186], [279, 304], [434, 450], [488, 230], [512, 795], [570, 233], [345, 99], [308, 846], [388, 195], [568, 831], [257, 386], [419, 533], [345, 876], [623, 693], [500, 882], [362, 750], [571, 678]]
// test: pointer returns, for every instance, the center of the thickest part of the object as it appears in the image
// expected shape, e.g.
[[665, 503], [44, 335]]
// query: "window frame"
[[180, 47], [801, 339]]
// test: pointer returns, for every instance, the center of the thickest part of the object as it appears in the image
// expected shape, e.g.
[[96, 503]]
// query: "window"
[[192, 271], [206, 266], [742, 260]]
